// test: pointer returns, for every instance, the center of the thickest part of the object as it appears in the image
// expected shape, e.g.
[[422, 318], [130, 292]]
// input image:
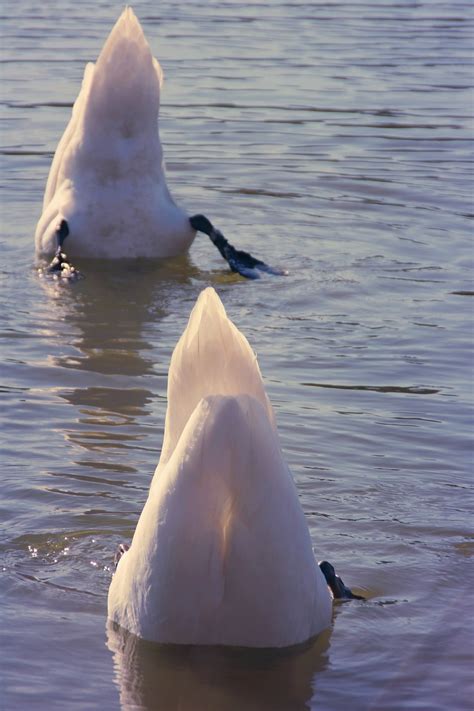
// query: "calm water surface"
[[329, 137]]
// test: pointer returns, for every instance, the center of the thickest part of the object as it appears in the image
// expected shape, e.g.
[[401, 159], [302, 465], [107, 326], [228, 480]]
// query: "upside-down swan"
[[221, 554], [107, 187]]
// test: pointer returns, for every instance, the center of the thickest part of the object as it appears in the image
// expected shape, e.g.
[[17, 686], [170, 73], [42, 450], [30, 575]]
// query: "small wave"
[[409, 390]]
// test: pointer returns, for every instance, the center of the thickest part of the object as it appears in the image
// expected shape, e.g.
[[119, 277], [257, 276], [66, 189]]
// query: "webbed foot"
[[239, 261], [60, 267], [339, 590]]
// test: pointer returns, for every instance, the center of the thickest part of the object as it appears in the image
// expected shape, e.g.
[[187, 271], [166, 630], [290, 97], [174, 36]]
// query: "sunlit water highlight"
[[332, 139]]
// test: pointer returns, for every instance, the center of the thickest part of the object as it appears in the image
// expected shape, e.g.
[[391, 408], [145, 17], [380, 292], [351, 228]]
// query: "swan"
[[107, 186], [221, 554]]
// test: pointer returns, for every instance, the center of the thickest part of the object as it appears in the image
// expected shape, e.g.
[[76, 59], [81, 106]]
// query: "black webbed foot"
[[121, 549], [60, 267], [239, 261], [339, 590]]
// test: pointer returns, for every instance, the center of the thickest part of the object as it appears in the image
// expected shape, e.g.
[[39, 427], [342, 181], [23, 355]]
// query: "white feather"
[[222, 553], [107, 177]]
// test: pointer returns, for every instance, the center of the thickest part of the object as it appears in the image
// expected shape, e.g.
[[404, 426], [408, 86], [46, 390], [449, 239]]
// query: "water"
[[329, 138]]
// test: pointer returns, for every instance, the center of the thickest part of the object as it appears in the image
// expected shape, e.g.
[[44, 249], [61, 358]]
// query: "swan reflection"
[[110, 313], [108, 357], [154, 677]]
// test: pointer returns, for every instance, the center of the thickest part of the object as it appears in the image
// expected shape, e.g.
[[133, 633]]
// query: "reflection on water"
[[124, 403], [110, 309], [108, 318], [155, 677]]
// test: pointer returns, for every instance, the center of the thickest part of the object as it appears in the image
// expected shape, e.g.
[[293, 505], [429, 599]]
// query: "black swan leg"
[[60, 267], [238, 260], [339, 590]]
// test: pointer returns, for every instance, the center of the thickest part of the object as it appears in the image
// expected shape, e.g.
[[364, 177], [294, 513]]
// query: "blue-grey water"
[[332, 138]]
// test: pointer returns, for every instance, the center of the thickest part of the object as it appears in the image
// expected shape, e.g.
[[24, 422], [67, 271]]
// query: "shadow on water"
[[162, 677]]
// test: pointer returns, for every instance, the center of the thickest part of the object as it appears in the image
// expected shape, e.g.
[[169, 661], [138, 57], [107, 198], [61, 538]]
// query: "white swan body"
[[107, 177], [222, 553]]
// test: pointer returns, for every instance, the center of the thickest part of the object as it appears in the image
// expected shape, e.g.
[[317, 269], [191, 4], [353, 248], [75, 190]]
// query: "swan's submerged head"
[[221, 553]]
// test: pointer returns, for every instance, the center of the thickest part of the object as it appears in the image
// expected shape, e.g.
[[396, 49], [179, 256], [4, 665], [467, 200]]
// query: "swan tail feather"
[[211, 357]]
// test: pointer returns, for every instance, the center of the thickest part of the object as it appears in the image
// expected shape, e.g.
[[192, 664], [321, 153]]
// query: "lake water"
[[331, 138]]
